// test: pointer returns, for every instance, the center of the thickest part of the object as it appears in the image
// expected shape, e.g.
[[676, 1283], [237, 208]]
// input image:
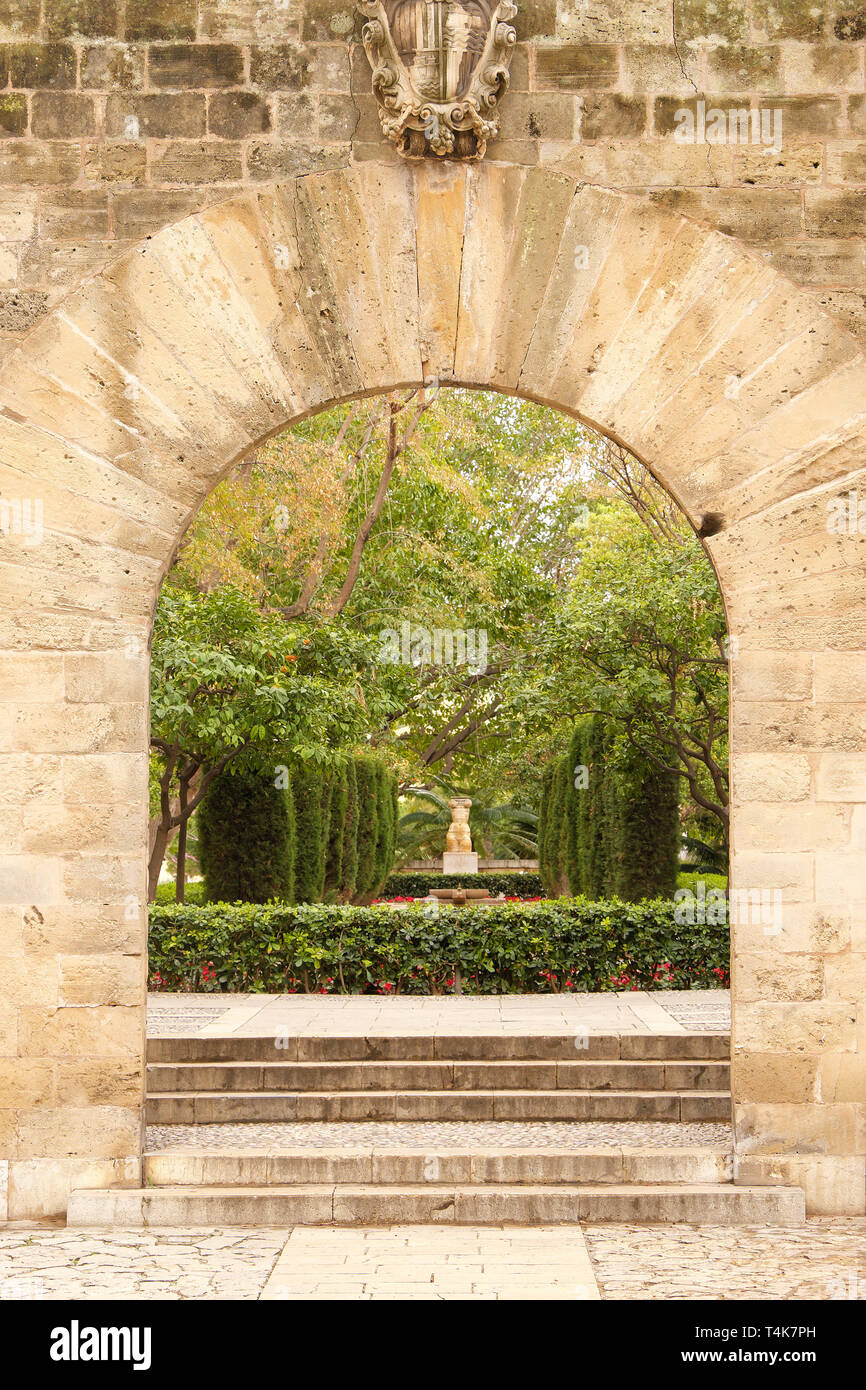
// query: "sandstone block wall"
[[204, 237], [120, 116]]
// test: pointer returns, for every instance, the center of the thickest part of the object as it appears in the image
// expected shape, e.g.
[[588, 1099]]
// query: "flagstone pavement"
[[825, 1259]]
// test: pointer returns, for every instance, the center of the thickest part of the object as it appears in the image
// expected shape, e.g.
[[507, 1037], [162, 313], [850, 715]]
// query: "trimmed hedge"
[[246, 835], [618, 834], [418, 885], [513, 948], [692, 879], [195, 894], [368, 787], [312, 803]]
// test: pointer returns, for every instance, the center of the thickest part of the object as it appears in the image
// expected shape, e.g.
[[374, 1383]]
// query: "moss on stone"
[[13, 113]]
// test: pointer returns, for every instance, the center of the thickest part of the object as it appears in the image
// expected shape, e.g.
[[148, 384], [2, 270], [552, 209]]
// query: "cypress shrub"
[[380, 792], [339, 801], [585, 810], [349, 861], [368, 825], [557, 828], [605, 810], [543, 820], [311, 825], [246, 829], [646, 847], [386, 836], [619, 836], [327, 797], [576, 790]]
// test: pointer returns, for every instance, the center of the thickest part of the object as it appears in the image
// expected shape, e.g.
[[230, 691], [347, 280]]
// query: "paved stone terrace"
[[371, 1015], [825, 1259]]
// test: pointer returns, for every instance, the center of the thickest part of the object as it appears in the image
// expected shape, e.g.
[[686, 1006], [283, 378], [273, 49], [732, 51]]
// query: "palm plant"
[[500, 830], [705, 850]]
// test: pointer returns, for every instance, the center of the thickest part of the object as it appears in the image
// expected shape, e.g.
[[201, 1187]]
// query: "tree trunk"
[[180, 874], [160, 838]]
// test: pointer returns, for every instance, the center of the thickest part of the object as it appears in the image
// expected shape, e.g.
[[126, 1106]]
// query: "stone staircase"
[[466, 1080]]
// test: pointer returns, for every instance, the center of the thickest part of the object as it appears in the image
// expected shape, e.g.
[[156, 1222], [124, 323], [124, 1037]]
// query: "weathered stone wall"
[[122, 410], [152, 359], [119, 116]]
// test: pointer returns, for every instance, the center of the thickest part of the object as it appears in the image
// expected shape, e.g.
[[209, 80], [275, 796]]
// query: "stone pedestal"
[[465, 862]]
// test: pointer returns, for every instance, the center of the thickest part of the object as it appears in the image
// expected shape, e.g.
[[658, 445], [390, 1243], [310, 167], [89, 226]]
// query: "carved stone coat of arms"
[[439, 70]]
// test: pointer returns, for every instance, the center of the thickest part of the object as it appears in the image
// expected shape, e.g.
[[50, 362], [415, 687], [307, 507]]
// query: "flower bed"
[[509, 948]]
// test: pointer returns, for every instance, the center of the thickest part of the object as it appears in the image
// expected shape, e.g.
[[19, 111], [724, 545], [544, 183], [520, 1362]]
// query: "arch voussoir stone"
[[125, 406]]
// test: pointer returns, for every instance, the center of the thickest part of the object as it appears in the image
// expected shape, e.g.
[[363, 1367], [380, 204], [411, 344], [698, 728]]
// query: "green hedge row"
[[608, 820], [513, 948], [693, 878], [320, 835], [418, 885]]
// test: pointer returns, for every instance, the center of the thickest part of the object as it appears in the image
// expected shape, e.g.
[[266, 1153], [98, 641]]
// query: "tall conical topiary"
[[246, 829], [577, 788], [367, 778], [618, 835], [338, 806], [386, 827], [552, 836], [310, 793], [647, 833], [543, 824], [349, 862]]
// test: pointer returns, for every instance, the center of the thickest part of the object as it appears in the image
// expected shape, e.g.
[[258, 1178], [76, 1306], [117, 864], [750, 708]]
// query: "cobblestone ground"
[[825, 1259], [428, 1134], [64, 1264]]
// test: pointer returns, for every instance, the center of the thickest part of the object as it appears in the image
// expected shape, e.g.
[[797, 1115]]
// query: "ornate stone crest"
[[439, 70]]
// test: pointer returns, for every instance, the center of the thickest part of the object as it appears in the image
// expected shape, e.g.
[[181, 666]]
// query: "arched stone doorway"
[[123, 409]]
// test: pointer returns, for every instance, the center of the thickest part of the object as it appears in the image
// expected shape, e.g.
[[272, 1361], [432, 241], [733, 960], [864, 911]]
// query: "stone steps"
[[259, 1168], [581, 1077], [521, 1047], [228, 1107], [368, 1204], [166, 1078]]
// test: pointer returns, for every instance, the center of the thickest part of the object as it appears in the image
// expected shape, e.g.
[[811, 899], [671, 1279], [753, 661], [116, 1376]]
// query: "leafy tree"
[[449, 511], [641, 641], [227, 679]]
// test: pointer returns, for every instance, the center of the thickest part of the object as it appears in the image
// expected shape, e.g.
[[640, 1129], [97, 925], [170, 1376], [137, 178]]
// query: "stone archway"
[[123, 409]]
